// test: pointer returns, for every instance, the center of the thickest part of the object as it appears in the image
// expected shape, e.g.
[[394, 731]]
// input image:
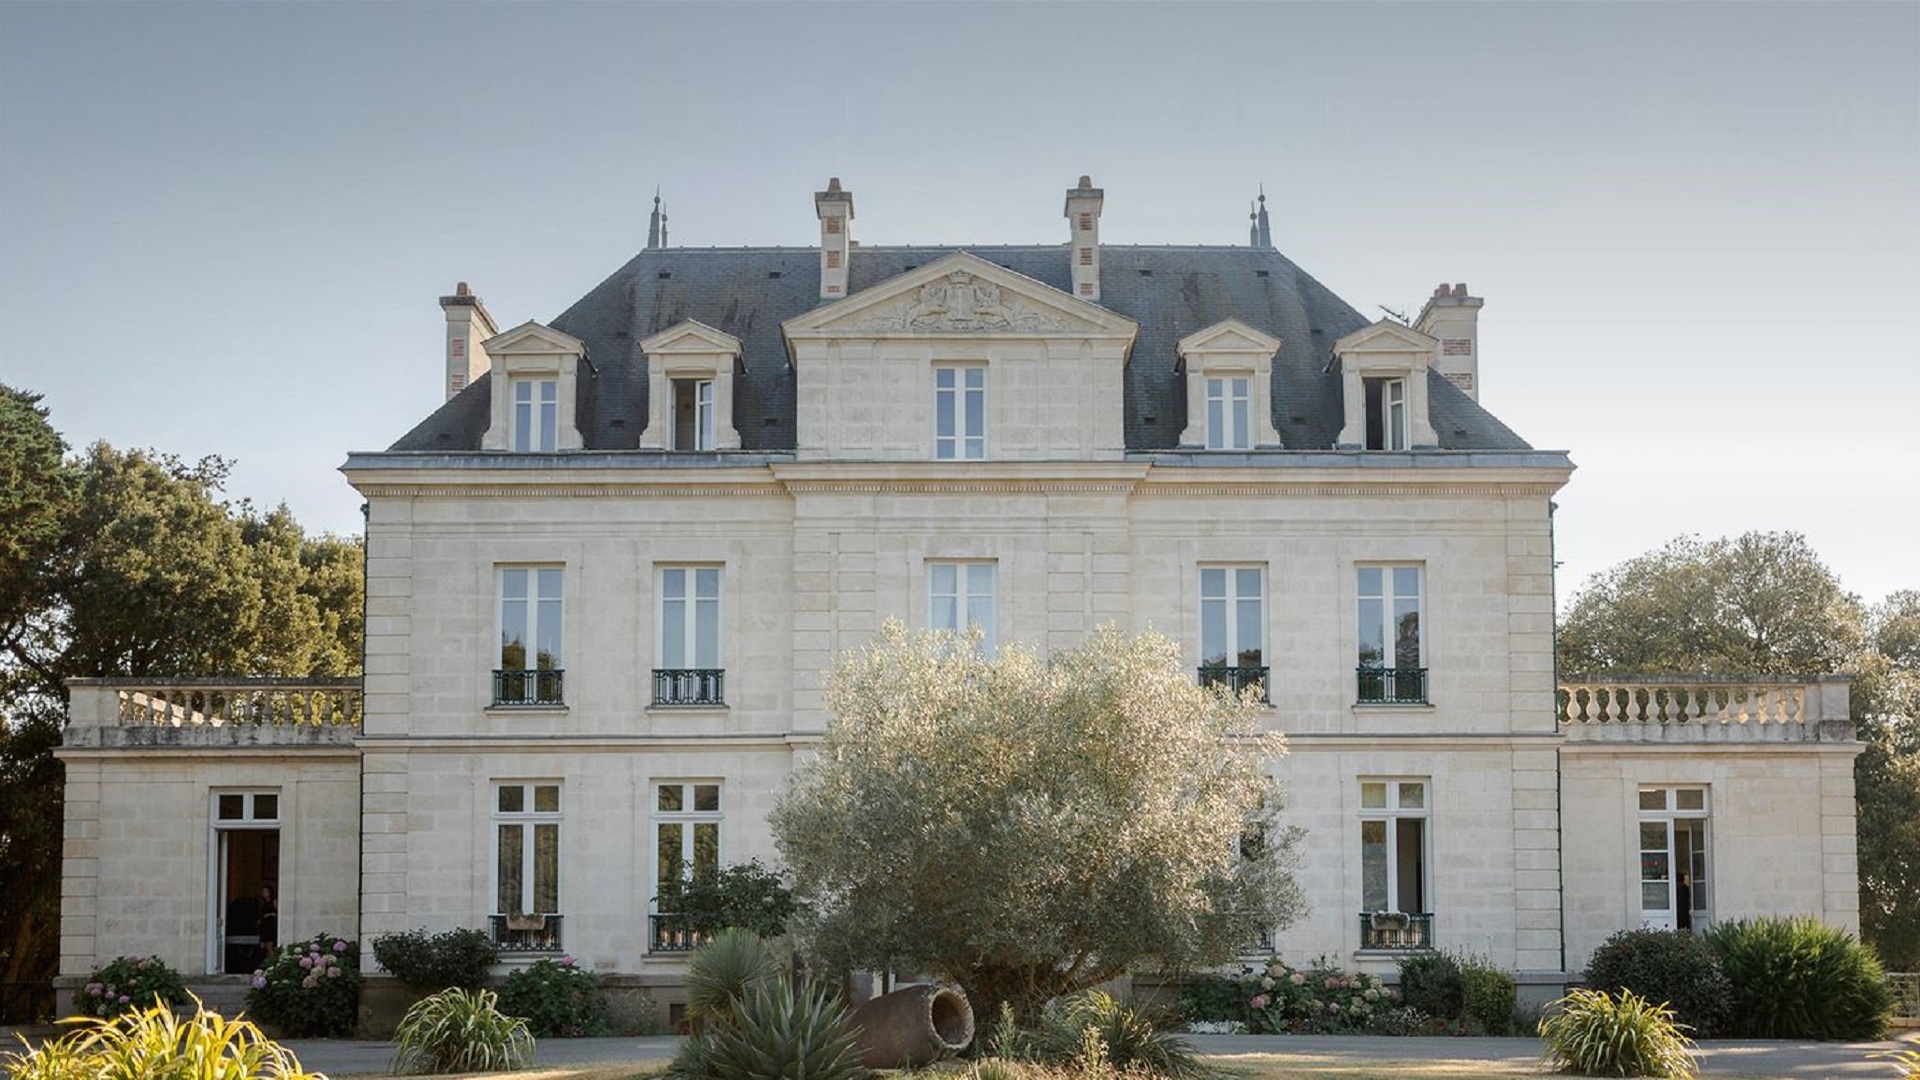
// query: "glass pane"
[[672, 797], [1213, 582], [1406, 581], [673, 584], [706, 583], [945, 578], [1373, 795], [1406, 634], [1653, 896], [549, 427], [706, 849], [1238, 436], [1373, 651], [512, 798], [943, 415], [1655, 866], [667, 840], [522, 393], [1410, 862], [266, 807], [1248, 631], [507, 873], [942, 616], [546, 798], [547, 630], [1246, 583], [1653, 798], [976, 378], [1373, 865], [1413, 796], [546, 869], [232, 807], [980, 613], [1213, 631], [980, 579], [673, 633], [1216, 434], [1653, 836], [976, 412], [1691, 799], [706, 633], [943, 378], [548, 582], [706, 797], [1370, 581]]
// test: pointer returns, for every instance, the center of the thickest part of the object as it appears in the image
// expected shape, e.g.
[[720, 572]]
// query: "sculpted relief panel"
[[963, 303]]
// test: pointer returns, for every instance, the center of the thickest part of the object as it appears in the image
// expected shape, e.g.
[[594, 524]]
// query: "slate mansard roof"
[[1170, 291]]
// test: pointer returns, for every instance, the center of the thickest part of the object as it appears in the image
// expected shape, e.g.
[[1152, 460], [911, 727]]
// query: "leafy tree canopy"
[[1027, 827]]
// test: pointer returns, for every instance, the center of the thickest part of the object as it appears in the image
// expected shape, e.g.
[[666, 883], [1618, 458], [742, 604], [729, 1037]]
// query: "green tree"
[[36, 488], [1028, 827], [1765, 604]]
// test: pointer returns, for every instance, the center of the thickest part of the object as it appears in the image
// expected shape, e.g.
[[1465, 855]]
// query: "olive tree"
[[1029, 826]]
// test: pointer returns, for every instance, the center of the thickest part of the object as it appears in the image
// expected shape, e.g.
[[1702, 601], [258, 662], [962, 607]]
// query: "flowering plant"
[[129, 984], [309, 987], [556, 997], [1317, 999]]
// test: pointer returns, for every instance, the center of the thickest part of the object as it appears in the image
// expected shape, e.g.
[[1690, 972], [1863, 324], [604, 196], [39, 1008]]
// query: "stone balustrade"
[[1685, 708], [213, 712]]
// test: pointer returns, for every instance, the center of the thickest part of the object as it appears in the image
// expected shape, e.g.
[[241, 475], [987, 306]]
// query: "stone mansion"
[[606, 576]]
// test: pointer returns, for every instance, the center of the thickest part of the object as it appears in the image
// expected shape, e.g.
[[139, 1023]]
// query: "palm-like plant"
[[156, 1042], [720, 974], [461, 1031]]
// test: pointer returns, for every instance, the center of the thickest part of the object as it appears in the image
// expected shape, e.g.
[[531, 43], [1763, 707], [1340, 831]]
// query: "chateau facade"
[[605, 580]]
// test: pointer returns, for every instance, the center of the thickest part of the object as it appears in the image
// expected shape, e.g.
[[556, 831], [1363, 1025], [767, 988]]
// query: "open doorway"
[[244, 884]]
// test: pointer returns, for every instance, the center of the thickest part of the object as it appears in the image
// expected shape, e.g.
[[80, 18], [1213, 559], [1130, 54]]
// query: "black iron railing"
[[515, 686], [669, 933], [689, 686], [1235, 679], [1393, 686], [1395, 930], [525, 933]]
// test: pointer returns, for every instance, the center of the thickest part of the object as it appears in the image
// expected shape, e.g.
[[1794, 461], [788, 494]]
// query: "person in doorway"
[[269, 924], [1683, 903]]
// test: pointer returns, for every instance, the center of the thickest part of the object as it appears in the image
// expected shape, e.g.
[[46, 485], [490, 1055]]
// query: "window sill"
[[691, 707], [1401, 707], [526, 710], [1389, 954]]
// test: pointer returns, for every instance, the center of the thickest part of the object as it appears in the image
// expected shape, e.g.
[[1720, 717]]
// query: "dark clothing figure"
[[269, 924], [1683, 904]]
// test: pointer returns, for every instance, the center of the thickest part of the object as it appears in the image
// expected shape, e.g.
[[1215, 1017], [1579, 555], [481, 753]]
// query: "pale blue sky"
[[224, 227]]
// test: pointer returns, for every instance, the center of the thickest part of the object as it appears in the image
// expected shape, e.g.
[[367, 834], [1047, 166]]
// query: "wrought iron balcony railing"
[[521, 687], [689, 686], [1235, 678], [525, 933], [1392, 686], [670, 934], [1396, 930]]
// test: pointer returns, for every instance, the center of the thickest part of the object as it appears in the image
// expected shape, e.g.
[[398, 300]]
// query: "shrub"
[[1487, 997], [1798, 978], [1670, 966], [1212, 999], [309, 988], [556, 997], [428, 962], [155, 1042], [782, 1030], [1431, 982], [745, 896], [720, 973], [1092, 1026], [1595, 1034], [460, 1030], [129, 984], [1321, 999]]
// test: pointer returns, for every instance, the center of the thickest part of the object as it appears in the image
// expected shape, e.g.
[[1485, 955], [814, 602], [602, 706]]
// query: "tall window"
[[960, 413], [690, 671], [536, 414], [960, 597], [1395, 909], [686, 846], [1386, 414], [526, 866], [1674, 870], [1233, 626], [1392, 667], [1228, 417], [531, 614], [693, 414]]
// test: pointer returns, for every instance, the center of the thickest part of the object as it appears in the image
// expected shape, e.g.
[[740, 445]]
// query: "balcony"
[[689, 686], [1396, 930], [1704, 708], [525, 933], [1236, 679], [668, 933], [516, 687], [1392, 686], [320, 714]]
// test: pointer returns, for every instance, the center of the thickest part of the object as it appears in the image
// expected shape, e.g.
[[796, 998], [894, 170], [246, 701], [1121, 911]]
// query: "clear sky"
[[224, 227]]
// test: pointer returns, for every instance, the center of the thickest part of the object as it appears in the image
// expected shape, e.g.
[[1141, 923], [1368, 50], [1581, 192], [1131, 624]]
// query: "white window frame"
[[538, 612], [529, 819], [250, 820], [963, 594], [1231, 597], [703, 413], [535, 412], [1389, 596], [1229, 412], [954, 386], [1673, 811], [690, 601], [686, 817], [1394, 413], [1392, 813]]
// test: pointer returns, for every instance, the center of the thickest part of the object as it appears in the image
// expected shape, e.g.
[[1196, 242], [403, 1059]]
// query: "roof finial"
[[1264, 235], [663, 230], [654, 238], [1253, 226]]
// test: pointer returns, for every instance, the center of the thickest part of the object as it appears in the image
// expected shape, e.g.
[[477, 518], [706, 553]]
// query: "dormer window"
[[1386, 414], [690, 384], [1228, 413], [1229, 373], [536, 415], [693, 414]]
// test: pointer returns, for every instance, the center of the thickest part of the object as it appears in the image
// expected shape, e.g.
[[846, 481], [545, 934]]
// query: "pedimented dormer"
[[535, 385], [1383, 387], [961, 360], [690, 384], [1229, 374]]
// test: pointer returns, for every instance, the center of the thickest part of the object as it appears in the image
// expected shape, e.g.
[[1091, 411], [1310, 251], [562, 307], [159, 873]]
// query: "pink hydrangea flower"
[[340, 946], [306, 961], [259, 981], [1259, 1002], [1277, 969], [333, 973], [1299, 979]]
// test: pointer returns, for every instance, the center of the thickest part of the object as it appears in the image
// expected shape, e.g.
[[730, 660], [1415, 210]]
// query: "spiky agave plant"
[[721, 972], [1592, 1033], [460, 1031], [783, 1032], [155, 1041]]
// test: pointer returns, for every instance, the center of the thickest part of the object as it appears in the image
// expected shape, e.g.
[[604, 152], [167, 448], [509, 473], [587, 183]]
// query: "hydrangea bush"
[[309, 988], [1312, 1000], [129, 984], [556, 997]]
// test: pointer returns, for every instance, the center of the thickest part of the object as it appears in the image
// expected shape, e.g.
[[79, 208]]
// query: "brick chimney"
[[1453, 317], [468, 324], [1083, 221], [835, 209]]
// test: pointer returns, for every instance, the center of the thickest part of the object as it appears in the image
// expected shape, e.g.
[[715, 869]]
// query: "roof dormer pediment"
[[1385, 336], [691, 336], [1229, 336], [532, 337], [961, 294]]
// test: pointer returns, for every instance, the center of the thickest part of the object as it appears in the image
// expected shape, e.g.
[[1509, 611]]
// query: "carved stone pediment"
[[961, 294], [961, 303]]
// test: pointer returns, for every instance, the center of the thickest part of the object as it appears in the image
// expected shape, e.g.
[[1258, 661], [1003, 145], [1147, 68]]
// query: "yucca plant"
[[1798, 978], [461, 1031], [720, 973], [157, 1043], [1591, 1033], [781, 1031], [1127, 1038]]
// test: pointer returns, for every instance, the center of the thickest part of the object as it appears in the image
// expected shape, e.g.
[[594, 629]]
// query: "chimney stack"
[[835, 209], [468, 324], [1453, 317], [1083, 219]]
